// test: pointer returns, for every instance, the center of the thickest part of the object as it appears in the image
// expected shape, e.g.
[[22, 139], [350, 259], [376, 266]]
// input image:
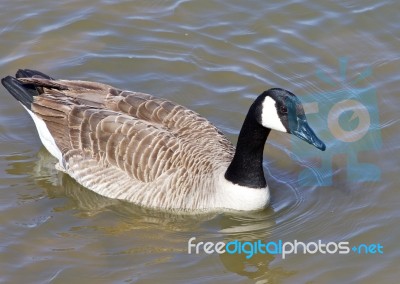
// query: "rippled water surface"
[[215, 57]]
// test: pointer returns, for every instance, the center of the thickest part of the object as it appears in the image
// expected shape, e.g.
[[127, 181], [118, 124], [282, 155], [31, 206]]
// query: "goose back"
[[131, 145]]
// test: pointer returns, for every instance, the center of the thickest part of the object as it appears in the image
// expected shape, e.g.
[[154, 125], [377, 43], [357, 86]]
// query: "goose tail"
[[24, 93]]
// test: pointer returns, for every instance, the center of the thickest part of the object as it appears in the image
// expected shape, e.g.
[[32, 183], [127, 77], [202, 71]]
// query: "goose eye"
[[283, 109]]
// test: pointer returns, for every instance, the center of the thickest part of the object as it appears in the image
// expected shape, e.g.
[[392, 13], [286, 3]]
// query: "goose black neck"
[[246, 168]]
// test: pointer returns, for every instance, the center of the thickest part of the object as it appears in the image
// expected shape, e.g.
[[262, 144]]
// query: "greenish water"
[[215, 57]]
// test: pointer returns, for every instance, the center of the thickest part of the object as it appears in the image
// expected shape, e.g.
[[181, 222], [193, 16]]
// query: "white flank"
[[237, 197], [45, 136], [270, 117]]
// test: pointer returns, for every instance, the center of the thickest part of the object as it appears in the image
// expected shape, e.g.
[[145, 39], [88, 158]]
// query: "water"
[[212, 56]]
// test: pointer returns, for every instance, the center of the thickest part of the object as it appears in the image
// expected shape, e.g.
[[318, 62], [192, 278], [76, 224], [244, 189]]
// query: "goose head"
[[275, 109], [281, 110]]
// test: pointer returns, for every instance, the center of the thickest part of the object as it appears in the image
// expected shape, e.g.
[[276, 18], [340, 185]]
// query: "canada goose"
[[153, 152]]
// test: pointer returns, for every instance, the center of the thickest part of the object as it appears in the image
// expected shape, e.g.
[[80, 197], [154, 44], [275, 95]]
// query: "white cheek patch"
[[270, 117]]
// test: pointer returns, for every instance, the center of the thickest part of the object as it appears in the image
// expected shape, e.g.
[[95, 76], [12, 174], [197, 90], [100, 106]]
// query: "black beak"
[[304, 131]]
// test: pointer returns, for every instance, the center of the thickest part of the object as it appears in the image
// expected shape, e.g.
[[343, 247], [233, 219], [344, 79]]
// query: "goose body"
[[148, 150]]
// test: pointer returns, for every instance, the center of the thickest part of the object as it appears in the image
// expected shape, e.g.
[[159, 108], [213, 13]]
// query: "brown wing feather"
[[118, 140], [160, 111], [140, 134]]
